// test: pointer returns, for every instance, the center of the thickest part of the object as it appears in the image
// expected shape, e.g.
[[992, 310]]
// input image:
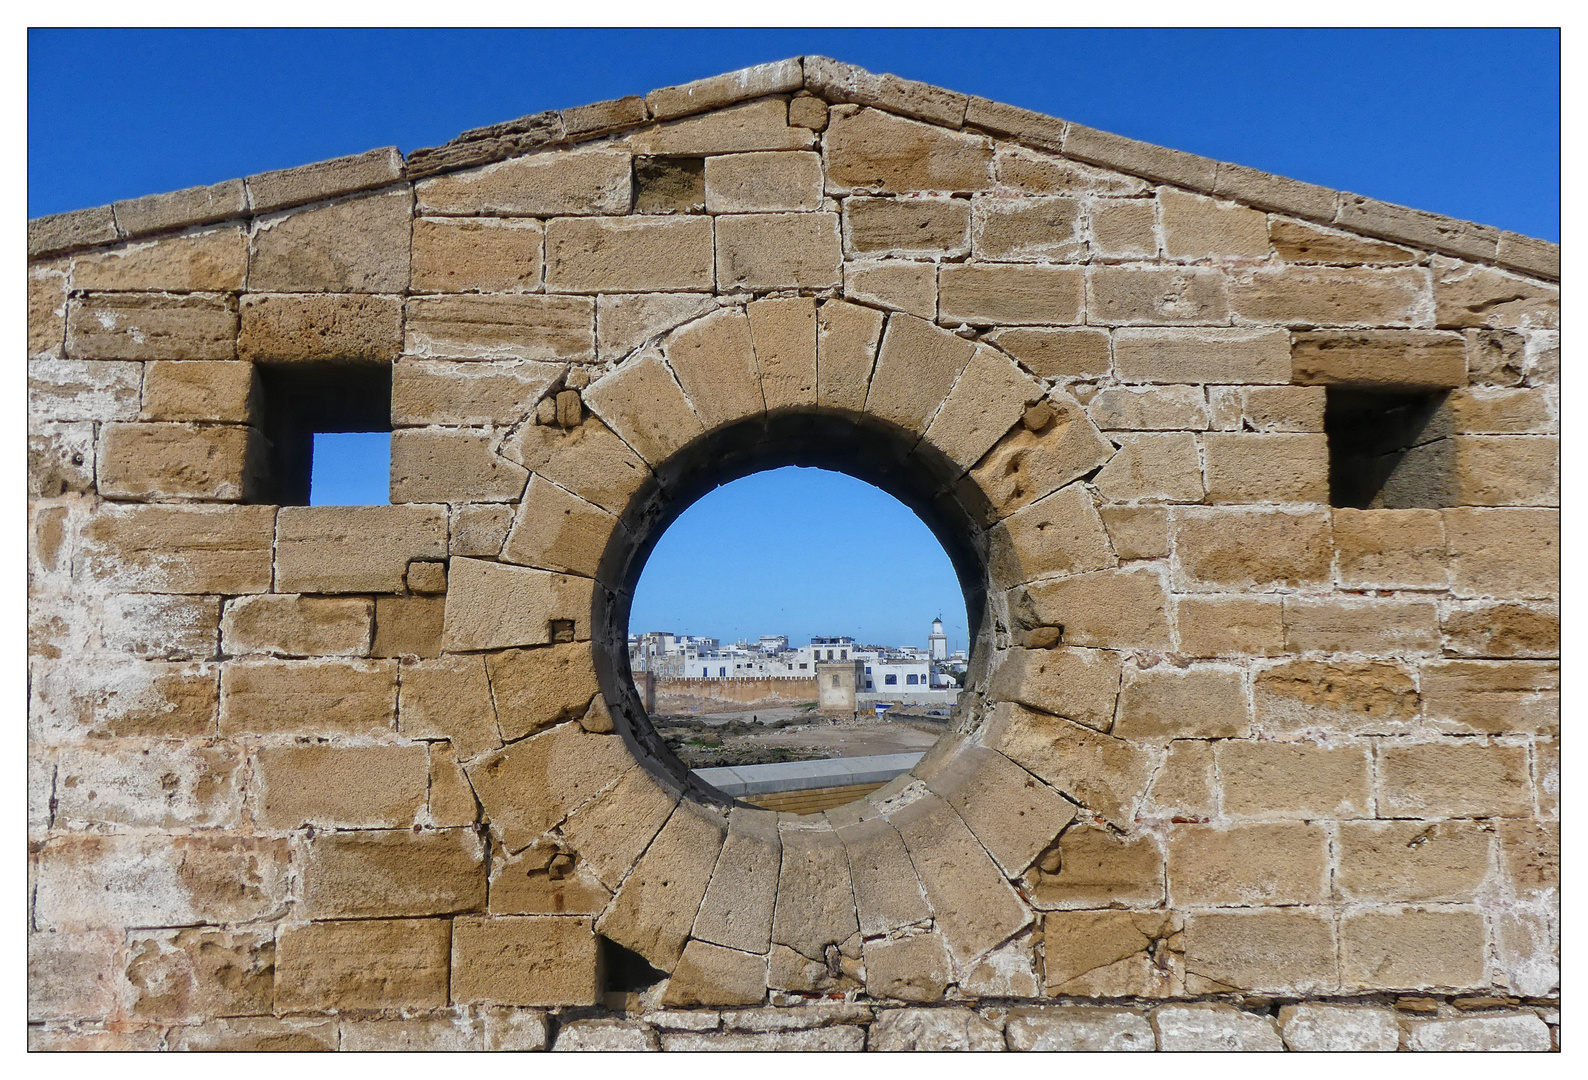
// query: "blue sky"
[[1462, 122]]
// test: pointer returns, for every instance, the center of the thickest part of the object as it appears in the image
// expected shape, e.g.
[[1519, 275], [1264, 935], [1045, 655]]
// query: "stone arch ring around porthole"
[[935, 868]]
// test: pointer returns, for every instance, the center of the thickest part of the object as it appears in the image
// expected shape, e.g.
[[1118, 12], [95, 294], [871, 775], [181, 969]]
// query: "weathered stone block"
[[1124, 228], [626, 321], [1324, 1027], [633, 254], [1349, 624], [1479, 296], [783, 333], [1103, 609], [1284, 950], [916, 368], [536, 688], [1412, 949], [151, 326], [493, 606], [47, 308], [896, 284], [501, 327], [1477, 628], [868, 150], [588, 460], [1504, 552], [267, 697], [155, 627], [198, 390], [357, 246], [754, 125], [1168, 408], [212, 261], [338, 549], [433, 465], [1042, 455], [1013, 815], [1059, 534], [1407, 358], [1283, 408], [1156, 296], [1197, 227], [1454, 779], [249, 1034], [933, 1030], [1514, 1033], [349, 787], [1111, 953], [846, 346], [1078, 684], [1210, 626], [529, 960], [493, 255], [175, 209], [294, 625], [408, 625], [761, 182], [1103, 774], [197, 972], [485, 392], [1078, 1028], [1169, 702], [612, 831], [1211, 1027], [163, 785], [1400, 861], [1248, 864], [1156, 467], [1273, 780], [1202, 356], [888, 894], [989, 294], [1051, 354], [1137, 532], [1322, 296], [528, 787], [1244, 467], [170, 549], [655, 908], [1041, 229], [930, 227], [816, 903], [1492, 696], [1389, 549], [556, 530], [778, 251], [1254, 549], [551, 183], [1353, 695], [363, 964], [1042, 174], [1091, 867], [328, 327], [709, 974], [393, 872], [324, 179], [990, 397], [1301, 242]]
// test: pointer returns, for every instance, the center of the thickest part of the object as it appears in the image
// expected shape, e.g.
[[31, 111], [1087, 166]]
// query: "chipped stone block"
[[1207, 1026], [345, 786], [933, 1030], [363, 964], [1078, 1028], [524, 960]]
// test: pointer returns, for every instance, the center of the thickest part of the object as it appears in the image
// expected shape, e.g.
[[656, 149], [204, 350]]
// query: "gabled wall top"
[[836, 83]]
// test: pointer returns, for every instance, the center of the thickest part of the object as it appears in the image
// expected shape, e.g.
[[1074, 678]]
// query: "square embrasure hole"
[[327, 434], [1385, 450]]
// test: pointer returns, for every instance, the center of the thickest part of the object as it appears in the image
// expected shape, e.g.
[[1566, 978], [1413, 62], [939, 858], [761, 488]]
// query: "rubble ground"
[[761, 736]]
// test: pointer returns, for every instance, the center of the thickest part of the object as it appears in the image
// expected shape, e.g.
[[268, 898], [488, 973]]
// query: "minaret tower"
[[937, 643]]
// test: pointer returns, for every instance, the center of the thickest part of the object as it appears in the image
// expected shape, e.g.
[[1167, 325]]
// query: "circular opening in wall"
[[804, 619], [795, 614]]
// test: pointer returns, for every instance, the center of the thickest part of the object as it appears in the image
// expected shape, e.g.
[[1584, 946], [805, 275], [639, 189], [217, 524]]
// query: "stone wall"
[[1237, 766], [682, 694]]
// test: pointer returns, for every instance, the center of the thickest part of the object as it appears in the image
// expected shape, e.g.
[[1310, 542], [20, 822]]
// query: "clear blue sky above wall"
[[1463, 122]]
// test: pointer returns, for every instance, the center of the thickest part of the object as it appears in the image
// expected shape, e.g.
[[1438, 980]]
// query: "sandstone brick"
[[933, 1030], [332, 549], [737, 909], [1245, 467], [1283, 408], [754, 125], [588, 460], [295, 625], [536, 688], [612, 831], [836, 81], [1093, 867], [778, 251], [151, 326], [451, 803], [1454, 779], [929, 227], [439, 464], [807, 112], [632, 254], [528, 787], [194, 973], [1479, 470], [1103, 774], [1169, 408], [1492, 696], [759, 182], [478, 529], [1111, 953], [140, 461], [1478, 296], [1400, 861], [1211, 355], [556, 530], [990, 294], [1513, 1033], [440, 1033], [320, 327], [1137, 532], [215, 260], [655, 908], [990, 397], [501, 327], [1324, 1027], [198, 390], [392, 872], [842, 1039], [1140, 158], [47, 308], [175, 209], [1056, 353], [715, 363], [1504, 553], [915, 968], [1154, 467], [1477, 628], [1013, 815], [1198, 702], [323, 179], [816, 903], [1078, 1028], [1325, 296], [1156, 297], [975, 909], [94, 881], [486, 392], [73, 977], [539, 881], [784, 336], [146, 698], [515, 1029], [1124, 228], [1210, 626], [626, 321], [163, 785], [267, 697], [363, 964], [1493, 410], [643, 404], [606, 1036], [1366, 696], [1379, 357], [1388, 549], [1244, 865], [1530, 853], [1282, 950], [477, 255], [408, 625], [917, 366], [596, 180], [1027, 229], [888, 897], [1103, 609], [171, 549], [1059, 534], [251, 1034], [492, 606], [1197, 227], [669, 185], [1250, 548], [712, 975], [1300, 242], [1043, 174], [1386, 627], [357, 246], [350, 787], [900, 285], [1272, 780], [1028, 463], [1183, 786], [155, 627], [846, 345], [868, 150], [75, 228], [1411, 949]]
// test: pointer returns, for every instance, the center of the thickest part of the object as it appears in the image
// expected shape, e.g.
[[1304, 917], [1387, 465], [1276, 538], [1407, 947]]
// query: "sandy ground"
[[697, 739]]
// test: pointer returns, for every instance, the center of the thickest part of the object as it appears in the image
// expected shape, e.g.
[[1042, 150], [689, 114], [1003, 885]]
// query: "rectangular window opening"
[[326, 434], [1386, 449]]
